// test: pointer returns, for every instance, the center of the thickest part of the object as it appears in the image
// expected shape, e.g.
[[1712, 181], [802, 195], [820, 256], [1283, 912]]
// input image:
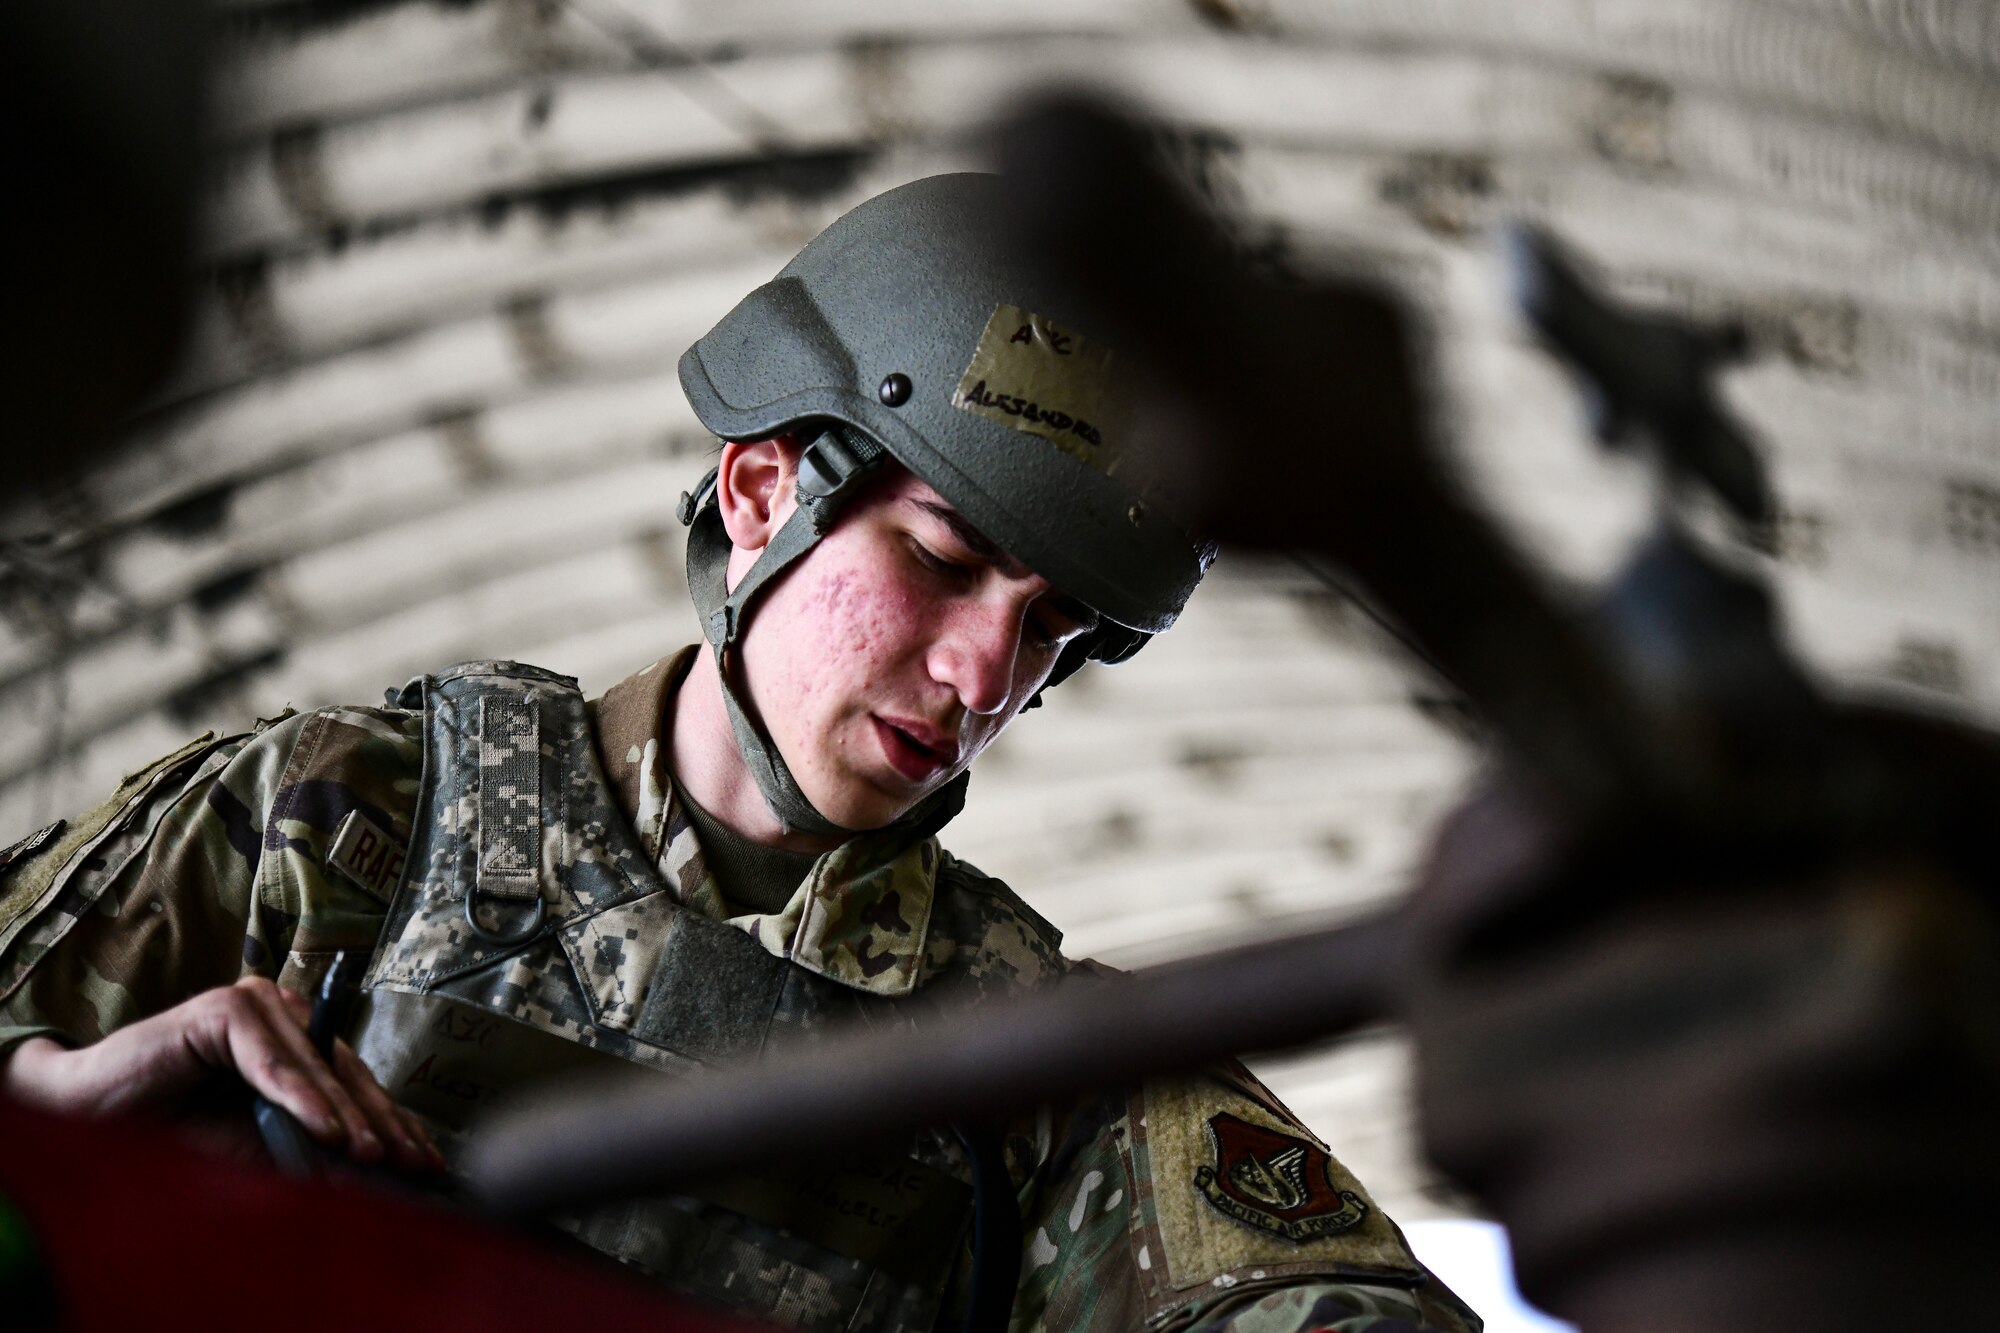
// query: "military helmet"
[[907, 330]]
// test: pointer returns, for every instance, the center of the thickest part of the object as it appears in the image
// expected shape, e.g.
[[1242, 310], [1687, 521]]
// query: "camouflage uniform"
[[536, 903]]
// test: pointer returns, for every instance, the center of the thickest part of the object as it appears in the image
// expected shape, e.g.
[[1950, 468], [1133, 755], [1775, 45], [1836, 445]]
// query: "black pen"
[[291, 1148]]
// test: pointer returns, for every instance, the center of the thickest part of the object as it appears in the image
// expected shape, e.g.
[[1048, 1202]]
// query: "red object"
[[139, 1230]]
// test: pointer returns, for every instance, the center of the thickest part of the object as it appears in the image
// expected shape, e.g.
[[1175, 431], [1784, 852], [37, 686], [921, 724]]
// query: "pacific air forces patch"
[[1233, 1186], [1275, 1182]]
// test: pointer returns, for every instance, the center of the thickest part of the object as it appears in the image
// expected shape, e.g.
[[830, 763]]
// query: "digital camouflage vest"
[[532, 936]]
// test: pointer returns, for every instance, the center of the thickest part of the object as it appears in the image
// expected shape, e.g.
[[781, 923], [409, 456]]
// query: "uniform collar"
[[861, 917]]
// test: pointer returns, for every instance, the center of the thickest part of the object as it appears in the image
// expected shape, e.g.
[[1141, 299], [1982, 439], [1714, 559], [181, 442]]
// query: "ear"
[[756, 490]]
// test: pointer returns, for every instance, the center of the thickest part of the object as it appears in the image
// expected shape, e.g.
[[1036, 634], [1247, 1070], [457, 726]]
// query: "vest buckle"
[[500, 937]]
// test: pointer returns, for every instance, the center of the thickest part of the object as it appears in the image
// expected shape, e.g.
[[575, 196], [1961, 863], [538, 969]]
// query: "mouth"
[[915, 749]]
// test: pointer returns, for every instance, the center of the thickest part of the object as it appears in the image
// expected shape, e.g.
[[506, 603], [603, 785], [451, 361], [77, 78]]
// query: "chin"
[[874, 817], [863, 815]]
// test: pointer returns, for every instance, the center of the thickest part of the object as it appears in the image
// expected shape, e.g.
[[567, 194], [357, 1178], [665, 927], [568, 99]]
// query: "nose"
[[976, 652]]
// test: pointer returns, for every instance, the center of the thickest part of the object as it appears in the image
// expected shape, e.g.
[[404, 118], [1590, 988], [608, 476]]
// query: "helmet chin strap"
[[829, 471]]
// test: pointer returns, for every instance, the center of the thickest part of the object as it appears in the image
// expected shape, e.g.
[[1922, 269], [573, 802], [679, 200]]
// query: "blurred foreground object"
[[1720, 951], [119, 1226], [1704, 991], [100, 120]]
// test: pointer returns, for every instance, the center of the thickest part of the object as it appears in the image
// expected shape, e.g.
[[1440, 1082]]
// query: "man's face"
[[896, 650]]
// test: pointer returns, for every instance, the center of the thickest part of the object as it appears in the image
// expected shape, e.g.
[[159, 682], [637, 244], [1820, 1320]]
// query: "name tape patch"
[[1032, 376], [368, 856]]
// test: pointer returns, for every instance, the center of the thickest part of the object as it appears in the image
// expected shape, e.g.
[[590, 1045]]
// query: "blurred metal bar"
[[639, 1136]]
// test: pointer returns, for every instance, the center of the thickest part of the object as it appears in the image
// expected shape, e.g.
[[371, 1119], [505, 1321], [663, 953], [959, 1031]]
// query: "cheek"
[[848, 632]]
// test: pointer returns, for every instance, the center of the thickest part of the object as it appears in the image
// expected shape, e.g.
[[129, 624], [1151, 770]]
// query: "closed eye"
[[1053, 618], [942, 565]]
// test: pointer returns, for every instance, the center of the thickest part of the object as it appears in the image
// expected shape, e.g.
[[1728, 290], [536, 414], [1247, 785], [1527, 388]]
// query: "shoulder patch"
[[1275, 1182], [33, 843], [1239, 1188], [364, 853]]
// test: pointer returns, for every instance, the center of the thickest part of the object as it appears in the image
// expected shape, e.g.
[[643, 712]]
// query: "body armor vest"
[[532, 937]]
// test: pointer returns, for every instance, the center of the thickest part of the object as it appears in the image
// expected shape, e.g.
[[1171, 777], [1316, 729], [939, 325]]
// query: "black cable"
[[996, 1232]]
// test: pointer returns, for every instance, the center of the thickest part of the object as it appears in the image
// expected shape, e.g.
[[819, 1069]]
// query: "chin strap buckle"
[[692, 501], [828, 465], [722, 625]]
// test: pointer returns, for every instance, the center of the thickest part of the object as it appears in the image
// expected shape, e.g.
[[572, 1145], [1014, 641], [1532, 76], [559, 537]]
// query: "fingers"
[[409, 1142], [267, 1043], [405, 1136], [251, 1028]]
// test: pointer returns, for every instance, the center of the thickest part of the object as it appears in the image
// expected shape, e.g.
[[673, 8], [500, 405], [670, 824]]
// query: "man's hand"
[[251, 1028]]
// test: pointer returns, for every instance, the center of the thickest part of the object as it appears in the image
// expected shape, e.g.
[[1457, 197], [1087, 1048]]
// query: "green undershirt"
[[751, 876]]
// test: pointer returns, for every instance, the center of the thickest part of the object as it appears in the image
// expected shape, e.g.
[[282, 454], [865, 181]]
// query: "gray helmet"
[[906, 330]]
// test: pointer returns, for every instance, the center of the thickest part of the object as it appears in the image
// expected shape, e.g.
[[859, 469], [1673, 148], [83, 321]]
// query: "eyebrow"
[[982, 546]]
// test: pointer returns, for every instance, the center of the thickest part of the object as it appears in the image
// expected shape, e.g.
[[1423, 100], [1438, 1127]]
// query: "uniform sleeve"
[[1202, 1204], [214, 863]]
